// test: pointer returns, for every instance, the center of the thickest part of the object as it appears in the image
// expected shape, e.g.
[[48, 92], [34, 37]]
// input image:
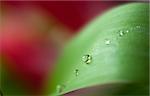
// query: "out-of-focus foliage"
[[30, 40]]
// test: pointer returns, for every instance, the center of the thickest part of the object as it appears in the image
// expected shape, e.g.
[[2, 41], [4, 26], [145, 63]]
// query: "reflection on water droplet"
[[87, 59], [121, 33], [107, 42], [76, 72]]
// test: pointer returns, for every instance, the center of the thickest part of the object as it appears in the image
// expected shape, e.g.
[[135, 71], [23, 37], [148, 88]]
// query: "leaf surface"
[[117, 45]]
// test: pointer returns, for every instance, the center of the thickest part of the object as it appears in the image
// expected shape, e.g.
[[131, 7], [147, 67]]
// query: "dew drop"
[[121, 33], [76, 72], [59, 88], [127, 31], [87, 59], [107, 42]]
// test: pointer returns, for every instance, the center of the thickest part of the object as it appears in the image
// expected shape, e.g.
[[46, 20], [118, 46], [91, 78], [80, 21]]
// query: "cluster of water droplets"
[[87, 59], [120, 33], [123, 32]]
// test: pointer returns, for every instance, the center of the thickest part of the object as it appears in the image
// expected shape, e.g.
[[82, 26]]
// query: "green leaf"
[[116, 50]]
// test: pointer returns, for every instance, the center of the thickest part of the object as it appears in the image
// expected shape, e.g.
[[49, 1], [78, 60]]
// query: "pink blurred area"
[[34, 33]]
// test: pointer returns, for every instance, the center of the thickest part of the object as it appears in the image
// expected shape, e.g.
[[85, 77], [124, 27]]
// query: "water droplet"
[[87, 59], [76, 72], [59, 88], [107, 41], [121, 33], [127, 31]]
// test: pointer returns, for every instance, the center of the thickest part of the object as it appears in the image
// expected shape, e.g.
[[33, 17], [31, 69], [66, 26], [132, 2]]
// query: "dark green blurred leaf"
[[8, 84]]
